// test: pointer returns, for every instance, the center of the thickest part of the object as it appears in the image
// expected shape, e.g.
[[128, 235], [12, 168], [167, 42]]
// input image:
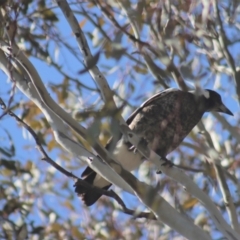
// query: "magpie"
[[163, 120]]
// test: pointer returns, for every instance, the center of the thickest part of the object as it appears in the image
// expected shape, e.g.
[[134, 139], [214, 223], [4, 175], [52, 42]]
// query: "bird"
[[163, 121]]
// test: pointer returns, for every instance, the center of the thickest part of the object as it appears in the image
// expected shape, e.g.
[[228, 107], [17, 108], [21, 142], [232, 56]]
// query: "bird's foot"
[[167, 163]]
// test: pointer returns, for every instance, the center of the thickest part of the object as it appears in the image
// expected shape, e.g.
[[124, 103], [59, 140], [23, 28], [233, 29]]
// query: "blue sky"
[[49, 74]]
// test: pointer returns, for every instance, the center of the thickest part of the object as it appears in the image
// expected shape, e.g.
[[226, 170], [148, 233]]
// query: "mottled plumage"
[[164, 120]]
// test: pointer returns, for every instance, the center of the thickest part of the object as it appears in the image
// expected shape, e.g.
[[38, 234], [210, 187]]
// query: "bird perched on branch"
[[164, 120]]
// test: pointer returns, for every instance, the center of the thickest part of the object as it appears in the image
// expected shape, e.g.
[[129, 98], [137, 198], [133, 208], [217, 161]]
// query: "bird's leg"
[[167, 163]]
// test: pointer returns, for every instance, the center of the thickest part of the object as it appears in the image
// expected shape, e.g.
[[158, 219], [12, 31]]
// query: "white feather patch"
[[130, 160], [206, 94]]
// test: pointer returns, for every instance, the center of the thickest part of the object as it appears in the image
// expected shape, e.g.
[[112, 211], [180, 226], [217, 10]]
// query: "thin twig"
[[223, 42], [46, 158]]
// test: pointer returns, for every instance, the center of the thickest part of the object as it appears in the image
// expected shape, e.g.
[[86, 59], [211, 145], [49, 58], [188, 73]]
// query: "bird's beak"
[[224, 109]]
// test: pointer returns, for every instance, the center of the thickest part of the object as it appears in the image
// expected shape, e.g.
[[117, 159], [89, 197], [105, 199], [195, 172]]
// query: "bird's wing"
[[86, 172], [149, 101]]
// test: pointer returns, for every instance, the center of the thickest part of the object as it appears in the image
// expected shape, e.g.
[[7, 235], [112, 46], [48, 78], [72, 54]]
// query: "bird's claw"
[[167, 163]]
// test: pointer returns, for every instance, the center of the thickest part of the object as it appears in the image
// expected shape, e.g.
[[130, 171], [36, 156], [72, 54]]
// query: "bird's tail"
[[88, 195]]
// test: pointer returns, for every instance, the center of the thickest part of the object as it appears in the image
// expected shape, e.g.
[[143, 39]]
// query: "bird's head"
[[213, 102]]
